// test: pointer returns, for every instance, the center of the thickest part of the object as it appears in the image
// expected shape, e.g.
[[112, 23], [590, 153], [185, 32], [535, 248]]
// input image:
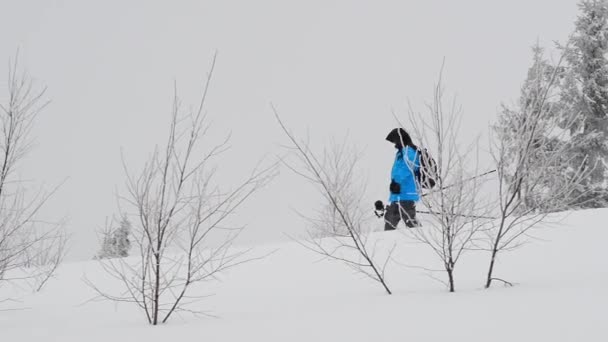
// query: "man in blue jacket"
[[403, 187]]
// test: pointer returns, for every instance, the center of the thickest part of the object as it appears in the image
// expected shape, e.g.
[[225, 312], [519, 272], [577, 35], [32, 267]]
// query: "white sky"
[[331, 67]]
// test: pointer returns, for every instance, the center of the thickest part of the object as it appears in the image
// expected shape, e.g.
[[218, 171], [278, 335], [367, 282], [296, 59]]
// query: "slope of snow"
[[561, 294]]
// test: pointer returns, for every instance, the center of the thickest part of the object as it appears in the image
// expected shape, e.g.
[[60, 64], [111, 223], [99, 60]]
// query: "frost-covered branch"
[[457, 210], [179, 216], [30, 249], [533, 161], [338, 232]]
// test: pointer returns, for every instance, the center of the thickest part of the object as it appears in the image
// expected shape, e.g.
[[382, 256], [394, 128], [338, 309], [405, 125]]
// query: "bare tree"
[[457, 211], [338, 233], [44, 259], [533, 157], [31, 247], [178, 216]]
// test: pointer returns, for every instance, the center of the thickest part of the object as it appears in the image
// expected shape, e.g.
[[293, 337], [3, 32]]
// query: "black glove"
[[379, 209], [379, 205], [395, 187]]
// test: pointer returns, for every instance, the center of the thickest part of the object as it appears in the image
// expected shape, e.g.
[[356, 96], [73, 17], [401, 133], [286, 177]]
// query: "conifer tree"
[[585, 93], [541, 83], [115, 243]]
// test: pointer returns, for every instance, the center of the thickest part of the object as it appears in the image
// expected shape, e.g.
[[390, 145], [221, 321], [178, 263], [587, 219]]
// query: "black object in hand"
[[379, 209], [395, 187], [379, 205]]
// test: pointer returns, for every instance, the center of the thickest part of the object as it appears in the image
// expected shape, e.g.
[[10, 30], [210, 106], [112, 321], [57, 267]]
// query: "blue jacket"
[[403, 173]]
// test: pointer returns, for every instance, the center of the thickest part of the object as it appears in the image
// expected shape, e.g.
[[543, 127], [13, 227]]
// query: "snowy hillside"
[[561, 279]]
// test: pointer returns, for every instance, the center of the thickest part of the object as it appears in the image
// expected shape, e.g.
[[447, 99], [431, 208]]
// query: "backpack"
[[427, 174]]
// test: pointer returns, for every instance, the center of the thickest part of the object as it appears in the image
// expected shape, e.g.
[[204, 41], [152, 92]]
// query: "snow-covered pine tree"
[[585, 92], [115, 243], [121, 235], [533, 110]]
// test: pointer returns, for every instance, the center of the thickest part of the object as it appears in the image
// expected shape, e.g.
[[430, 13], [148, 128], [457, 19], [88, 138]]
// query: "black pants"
[[397, 211]]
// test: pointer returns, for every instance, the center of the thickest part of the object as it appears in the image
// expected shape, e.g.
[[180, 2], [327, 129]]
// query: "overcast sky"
[[331, 67]]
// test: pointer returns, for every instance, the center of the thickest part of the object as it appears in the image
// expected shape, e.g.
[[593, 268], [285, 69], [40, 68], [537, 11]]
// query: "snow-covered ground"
[[561, 294]]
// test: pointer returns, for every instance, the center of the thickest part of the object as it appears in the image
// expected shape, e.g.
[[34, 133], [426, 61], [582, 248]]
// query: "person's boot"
[[412, 223]]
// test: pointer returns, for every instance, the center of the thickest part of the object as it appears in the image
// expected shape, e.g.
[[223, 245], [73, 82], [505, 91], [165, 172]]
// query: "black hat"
[[400, 137]]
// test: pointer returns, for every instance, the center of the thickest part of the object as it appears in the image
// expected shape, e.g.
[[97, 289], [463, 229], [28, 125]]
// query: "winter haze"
[[332, 68], [513, 254]]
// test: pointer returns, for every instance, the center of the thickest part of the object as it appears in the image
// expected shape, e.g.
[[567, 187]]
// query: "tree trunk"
[[451, 278], [491, 269], [156, 299]]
